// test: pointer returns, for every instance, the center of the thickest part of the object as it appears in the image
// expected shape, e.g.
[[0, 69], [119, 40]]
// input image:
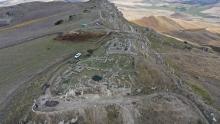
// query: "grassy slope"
[[29, 59], [190, 66], [22, 61]]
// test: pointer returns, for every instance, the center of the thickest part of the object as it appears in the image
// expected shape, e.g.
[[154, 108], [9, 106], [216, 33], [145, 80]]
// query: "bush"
[[97, 78], [51, 103], [90, 51], [59, 22]]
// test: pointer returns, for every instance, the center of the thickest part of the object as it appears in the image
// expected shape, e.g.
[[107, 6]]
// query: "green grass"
[[168, 43], [20, 104], [163, 43], [171, 63], [199, 90], [113, 114], [18, 107], [20, 62]]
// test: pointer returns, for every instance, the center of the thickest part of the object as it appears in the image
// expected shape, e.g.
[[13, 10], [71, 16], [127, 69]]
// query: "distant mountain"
[[130, 2], [185, 30], [159, 23], [195, 1], [14, 2]]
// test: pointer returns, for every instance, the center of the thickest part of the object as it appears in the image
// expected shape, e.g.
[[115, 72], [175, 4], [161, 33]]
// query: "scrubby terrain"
[[86, 64]]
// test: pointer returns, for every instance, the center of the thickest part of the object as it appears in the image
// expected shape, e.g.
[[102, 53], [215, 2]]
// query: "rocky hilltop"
[[115, 76]]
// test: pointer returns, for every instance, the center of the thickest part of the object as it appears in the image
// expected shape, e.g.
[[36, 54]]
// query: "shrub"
[[59, 22], [96, 78]]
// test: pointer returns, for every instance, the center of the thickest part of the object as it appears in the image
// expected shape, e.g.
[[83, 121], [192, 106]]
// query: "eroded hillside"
[[195, 32]]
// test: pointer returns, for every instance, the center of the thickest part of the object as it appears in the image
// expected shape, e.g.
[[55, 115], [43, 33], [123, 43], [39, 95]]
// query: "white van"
[[77, 55]]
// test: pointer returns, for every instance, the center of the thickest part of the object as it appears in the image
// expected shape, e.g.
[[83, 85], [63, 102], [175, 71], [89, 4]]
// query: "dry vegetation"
[[198, 69], [159, 23], [80, 36], [198, 32]]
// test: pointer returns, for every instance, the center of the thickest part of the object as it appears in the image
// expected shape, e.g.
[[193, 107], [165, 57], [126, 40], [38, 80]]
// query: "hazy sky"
[[130, 2], [13, 2]]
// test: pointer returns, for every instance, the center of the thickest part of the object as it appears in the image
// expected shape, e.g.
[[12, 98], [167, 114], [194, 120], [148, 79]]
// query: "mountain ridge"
[[202, 2]]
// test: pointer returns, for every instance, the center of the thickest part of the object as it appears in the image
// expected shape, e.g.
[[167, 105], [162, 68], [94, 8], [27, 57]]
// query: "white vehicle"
[[77, 55]]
